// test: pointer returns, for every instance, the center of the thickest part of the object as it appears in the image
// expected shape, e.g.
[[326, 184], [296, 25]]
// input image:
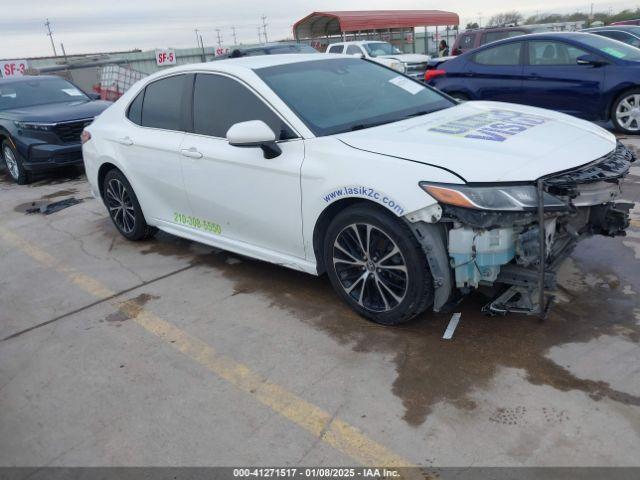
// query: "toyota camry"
[[404, 197]]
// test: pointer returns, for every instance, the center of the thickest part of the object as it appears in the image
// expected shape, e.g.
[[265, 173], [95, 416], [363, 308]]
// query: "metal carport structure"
[[319, 26]]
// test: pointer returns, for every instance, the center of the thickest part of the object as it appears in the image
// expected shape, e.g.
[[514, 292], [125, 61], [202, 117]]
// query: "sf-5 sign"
[[165, 56], [13, 68]]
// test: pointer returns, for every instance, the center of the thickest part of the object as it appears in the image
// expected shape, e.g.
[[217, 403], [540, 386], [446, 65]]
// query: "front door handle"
[[125, 141], [191, 152]]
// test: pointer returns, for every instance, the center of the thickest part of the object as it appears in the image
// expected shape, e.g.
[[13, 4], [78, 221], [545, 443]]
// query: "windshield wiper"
[[362, 126]]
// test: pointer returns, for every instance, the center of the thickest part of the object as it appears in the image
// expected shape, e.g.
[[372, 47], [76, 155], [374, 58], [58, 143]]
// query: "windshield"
[[612, 47], [38, 91], [380, 48], [340, 95]]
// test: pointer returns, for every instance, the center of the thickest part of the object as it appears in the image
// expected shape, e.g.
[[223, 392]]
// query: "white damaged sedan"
[[405, 198]]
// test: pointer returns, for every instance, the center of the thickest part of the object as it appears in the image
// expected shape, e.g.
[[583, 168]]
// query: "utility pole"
[[219, 38], [235, 40], [259, 34], [480, 19], [264, 28], [200, 44], [50, 34]]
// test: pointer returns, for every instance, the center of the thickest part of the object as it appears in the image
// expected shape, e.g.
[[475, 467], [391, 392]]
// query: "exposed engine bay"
[[510, 250]]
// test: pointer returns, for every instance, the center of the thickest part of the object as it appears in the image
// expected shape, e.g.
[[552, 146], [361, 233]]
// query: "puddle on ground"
[[60, 193], [429, 369], [129, 309], [46, 207]]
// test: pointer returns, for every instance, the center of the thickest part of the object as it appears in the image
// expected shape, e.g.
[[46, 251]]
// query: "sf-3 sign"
[[13, 68]]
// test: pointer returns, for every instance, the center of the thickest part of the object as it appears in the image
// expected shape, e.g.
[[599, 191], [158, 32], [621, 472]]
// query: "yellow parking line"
[[321, 424]]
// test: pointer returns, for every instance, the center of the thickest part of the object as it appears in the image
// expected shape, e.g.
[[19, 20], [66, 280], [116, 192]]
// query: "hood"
[[408, 57], [489, 141], [57, 112]]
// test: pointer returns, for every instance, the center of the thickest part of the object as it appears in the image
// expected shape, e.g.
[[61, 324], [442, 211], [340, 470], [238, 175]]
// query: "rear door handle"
[[125, 141], [191, 152]]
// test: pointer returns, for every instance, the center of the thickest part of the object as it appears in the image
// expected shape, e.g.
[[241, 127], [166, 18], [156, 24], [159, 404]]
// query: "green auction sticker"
[[198, 223]]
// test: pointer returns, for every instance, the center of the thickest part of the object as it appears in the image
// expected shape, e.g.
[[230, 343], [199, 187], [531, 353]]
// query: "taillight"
[[85, 136], [431, 74]]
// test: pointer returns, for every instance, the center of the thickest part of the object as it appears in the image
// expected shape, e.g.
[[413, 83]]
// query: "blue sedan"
[[581, 74]]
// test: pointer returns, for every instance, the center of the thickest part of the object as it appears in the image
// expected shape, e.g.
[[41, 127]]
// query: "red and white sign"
[[221, 51], [165, 56], [13, 68]]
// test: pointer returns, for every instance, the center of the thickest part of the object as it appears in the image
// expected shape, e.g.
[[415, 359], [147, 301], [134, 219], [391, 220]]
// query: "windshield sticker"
[[494, 125], [72, 92], [613, 52], [364, 192], [407, 85]]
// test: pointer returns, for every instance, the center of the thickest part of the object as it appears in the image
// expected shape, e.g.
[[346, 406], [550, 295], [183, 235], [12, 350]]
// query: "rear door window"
[[553, 53], [354, 50], [507, 54], [162, 105], [220, 102], [135, 109]]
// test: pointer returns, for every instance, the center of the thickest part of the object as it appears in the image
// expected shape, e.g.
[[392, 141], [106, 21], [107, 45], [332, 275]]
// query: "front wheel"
[[124, 208], [377, 266], [626, 112], [13, 163]]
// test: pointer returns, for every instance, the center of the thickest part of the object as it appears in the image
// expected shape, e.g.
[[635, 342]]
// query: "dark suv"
[[41, 119], [470, 39]]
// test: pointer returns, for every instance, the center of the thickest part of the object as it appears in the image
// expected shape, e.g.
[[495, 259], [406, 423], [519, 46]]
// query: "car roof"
[[620, 28], [27, 78], [235, 65]]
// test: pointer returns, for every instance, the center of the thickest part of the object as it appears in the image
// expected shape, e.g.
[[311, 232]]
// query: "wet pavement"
[[90, 387]]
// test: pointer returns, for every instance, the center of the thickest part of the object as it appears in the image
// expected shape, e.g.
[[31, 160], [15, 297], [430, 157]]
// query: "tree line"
[[514, 17]]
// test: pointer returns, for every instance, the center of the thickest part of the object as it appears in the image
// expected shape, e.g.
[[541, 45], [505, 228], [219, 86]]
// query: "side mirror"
[[93, 96], [591, 60], [254, 133]]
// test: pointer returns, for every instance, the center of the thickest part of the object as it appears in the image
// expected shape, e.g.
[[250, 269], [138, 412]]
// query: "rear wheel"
[[625, 113], [124, 208], [13, 161], [377, 266]]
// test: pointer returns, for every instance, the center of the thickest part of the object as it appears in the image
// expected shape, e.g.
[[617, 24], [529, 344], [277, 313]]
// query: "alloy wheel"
[[628, 113], [12, 163], [120, 206], [370, 267]]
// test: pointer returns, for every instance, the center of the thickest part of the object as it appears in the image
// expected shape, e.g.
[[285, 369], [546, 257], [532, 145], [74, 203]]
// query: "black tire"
[[13, 163], [376, 286], [632, 108], [124, 208]]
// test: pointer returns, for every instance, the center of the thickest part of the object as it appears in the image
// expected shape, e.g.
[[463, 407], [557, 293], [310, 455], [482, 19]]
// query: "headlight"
[[398, 66], [41, 127], [506, 198]]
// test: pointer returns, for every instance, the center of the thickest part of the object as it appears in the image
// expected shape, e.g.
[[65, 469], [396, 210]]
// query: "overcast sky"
[[108, 25]]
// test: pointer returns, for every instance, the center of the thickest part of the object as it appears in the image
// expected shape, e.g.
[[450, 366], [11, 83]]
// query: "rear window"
[[162, 103], [335, 49], [467, 41], [501, 35]]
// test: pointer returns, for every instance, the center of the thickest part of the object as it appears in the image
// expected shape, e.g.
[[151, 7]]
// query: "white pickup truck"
[[411, 64]]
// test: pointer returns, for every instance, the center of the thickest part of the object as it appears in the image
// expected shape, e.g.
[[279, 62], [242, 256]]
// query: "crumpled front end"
[[509, 249]]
